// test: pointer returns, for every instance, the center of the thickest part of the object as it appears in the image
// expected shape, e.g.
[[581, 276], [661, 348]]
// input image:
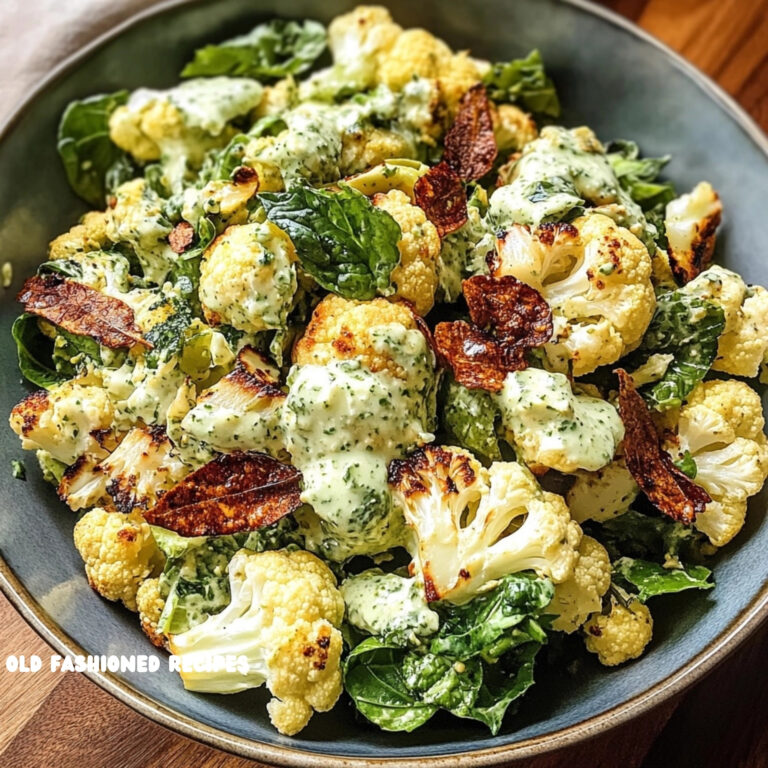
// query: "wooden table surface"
[[52, 720]]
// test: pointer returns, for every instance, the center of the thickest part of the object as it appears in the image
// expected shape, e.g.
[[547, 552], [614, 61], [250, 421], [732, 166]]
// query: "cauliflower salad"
[[366, 369]]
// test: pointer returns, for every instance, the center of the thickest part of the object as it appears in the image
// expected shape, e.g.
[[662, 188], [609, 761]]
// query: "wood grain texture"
[[51, 720]]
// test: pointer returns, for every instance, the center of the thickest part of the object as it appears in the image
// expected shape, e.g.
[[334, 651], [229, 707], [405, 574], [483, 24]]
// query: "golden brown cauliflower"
[[621, 635], [119, 552], [89, 235], [344, 329], [415, 277]]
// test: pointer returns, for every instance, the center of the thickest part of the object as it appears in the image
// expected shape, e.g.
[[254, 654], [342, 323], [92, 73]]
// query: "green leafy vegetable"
[[651, 579], [167, 338], [524, 82], [480, 661], [688, 328], [86, 150], [35, 353], [638, 175], [71, 352], [476, 627], [468, 417], [348, 245], [18, 470], [687, 465], [271, 50], [649, 537], [374, 678]]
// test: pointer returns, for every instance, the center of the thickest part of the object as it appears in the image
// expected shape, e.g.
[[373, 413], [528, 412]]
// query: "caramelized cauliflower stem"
[[284, 618], [471, 525]]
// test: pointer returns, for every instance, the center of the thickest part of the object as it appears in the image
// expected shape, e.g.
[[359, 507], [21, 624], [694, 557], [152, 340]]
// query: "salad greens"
[[649, 579], [524, 82], [347, 244], [88, 154], [271, 50], [468, 418]]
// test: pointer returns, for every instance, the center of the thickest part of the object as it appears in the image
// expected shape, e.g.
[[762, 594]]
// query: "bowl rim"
[[697, 667]]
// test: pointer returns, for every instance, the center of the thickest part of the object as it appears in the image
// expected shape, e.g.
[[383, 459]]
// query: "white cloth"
[[35, 35]]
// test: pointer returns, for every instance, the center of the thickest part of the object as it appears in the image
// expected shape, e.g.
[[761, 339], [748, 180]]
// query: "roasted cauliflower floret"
[[186, 120], [345, 329], [603, 494], [691, 222], [551, 425], [743, 346], [119, 552], [134, 476], [473, 525], [67, 421], [621, 635], [415, 277], [248, 277], [137, 219], [596, 277], [359, 40], [582, 594], [150, 603], [721, 427], [283, 616], [87, 236], [512, 127], [371, 145], [242, 410]]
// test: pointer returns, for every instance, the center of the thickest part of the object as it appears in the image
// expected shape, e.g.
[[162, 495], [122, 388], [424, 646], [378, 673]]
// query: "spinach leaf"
[[271, 50], [374, 678], [651, 579], [468, 417], [66, 267], [35, 353], [86, 150], [72, 351], [167, 338], [524, 82], [687, 465], [647, 536], [468, 630], [441, 681], [638, 175], [503, 683], [348, 245], [688, 328]]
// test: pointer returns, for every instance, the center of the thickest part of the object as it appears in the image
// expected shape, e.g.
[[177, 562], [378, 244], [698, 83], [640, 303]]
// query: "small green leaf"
[[651, 579], [271, 50], [469, 416], [35, 353], [347, 244], [688, 328], [86, 150], [524, 82], [687, 465], [18, 470]]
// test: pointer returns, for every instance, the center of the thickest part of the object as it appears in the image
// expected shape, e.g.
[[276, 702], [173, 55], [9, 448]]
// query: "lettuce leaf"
[[688, 328], [343, 241], [649, 579], [468, 417], [638, 175], [271, 50], [524, 82], [35, 353], [93, 164]]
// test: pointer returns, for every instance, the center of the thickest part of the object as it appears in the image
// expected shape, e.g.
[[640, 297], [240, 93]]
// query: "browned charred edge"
[[470, 144], [233, 492], [181, 237], [430, 592], [430, 464], [666, 487], [548, 232], [475, 357], [702, 249], [71, 473], [82, 310], [244, 174], [252, 379], [30, 409], [441, 195]]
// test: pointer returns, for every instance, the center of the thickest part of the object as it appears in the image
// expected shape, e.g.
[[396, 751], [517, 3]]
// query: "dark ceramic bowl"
[[610, 76]]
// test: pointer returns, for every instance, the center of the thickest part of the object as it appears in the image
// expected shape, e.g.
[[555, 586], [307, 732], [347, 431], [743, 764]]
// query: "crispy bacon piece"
[[234, 492], [668, 489], [508, 318], [181, 237], [470, 144], [81, 310], [440, 193]]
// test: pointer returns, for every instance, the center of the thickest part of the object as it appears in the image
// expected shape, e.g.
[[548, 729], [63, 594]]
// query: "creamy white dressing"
[[551, 425], [385, 604]]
